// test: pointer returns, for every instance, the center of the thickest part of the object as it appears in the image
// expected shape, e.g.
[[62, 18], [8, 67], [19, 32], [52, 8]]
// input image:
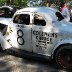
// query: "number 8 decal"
[[20, 39]]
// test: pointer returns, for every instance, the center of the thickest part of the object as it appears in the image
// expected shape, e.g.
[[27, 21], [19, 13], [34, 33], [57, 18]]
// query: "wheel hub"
[[65, 58]]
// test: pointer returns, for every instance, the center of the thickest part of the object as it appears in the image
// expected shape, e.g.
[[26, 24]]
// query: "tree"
[[2, 2], [21, 3]]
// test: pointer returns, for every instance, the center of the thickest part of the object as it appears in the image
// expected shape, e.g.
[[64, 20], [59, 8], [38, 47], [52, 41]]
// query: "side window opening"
[[3, 28], [22, 19], [59, 16], [39, 20]]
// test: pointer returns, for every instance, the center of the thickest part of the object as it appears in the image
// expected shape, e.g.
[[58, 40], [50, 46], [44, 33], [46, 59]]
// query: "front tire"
[[63, 57]]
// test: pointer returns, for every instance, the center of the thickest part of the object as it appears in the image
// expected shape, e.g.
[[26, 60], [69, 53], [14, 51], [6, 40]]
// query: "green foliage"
[[21, 3], [2, 2]]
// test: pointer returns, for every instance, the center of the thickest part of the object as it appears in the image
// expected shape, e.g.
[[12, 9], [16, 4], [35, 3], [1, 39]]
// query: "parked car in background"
[[40, 32], [6, 12]]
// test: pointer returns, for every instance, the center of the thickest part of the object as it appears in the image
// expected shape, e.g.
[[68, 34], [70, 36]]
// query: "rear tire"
[[1, 50], [63, 57]]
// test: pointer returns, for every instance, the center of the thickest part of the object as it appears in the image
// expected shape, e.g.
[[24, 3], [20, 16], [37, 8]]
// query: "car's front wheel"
[[63, 56]]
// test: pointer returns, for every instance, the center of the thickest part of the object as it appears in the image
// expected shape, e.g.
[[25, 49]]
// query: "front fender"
[[63, 42], [4, 43]]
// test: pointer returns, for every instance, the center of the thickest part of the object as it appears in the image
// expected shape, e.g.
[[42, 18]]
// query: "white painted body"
[[38, 39]]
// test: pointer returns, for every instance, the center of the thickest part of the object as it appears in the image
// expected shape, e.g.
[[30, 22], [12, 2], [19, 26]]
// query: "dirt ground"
[[9, 63]]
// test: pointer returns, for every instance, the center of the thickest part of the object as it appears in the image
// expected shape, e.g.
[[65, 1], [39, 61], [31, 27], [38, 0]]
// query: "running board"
[[26, 54]]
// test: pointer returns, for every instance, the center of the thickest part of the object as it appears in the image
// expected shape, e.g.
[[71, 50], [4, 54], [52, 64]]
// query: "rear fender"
[[4, 43], [63, 42]]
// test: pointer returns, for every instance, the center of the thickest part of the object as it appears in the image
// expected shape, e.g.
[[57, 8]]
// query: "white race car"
[[39, 31]]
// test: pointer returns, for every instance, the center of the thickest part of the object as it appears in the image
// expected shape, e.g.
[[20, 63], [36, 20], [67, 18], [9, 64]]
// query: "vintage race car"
[[38, 31]]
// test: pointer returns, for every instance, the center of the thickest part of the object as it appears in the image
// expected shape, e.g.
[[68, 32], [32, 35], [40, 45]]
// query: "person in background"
[[65, 12], [71, 14], [53, 6]]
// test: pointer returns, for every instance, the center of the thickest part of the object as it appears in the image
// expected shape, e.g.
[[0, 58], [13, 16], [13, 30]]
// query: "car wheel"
[[1, 50], [63, 57]]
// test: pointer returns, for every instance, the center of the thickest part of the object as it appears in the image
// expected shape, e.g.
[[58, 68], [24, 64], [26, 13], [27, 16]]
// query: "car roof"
[[38, 9], [47, 11], [9, 7]]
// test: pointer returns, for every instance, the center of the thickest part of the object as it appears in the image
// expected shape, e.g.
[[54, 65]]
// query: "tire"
[[63, 57], [1, 50]]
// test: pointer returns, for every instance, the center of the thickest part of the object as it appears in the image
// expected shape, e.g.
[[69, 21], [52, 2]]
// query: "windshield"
[[59, 16]]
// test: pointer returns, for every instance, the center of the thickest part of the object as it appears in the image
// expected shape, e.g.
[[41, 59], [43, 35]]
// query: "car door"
[[43, 36], [20, 32]]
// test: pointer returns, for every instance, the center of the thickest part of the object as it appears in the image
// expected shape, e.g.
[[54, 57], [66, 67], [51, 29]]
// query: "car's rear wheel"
[[1, 50], [63, 56]]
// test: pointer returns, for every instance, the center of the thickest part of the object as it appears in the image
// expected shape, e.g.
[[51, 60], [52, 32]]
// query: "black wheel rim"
[[65, 58]]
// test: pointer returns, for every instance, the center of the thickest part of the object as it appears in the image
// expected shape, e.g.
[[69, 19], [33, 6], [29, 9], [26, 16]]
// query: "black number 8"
[[20, 39]]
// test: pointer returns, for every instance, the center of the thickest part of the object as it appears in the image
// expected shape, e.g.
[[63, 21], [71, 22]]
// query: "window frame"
[[23, 16], [43, 18]]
